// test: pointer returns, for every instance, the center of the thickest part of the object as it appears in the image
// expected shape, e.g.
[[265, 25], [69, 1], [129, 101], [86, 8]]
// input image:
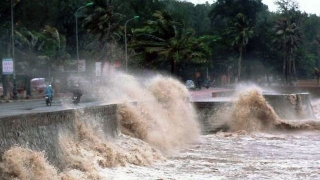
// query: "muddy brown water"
[[164, 141]]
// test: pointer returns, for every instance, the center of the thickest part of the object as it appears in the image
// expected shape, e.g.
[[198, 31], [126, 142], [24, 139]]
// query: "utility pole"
[[14, 89]]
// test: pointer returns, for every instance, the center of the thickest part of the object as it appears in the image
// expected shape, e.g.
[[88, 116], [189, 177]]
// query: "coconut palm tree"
[[239, 33], [287, 37], [166, 39], [317, 43], [44, 43], [316, 73], [103, 22]]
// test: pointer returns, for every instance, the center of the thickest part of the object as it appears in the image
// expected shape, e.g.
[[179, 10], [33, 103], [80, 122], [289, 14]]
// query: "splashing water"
[[160, 139], [251, 112], [155, 118], [21, 163], [167, 121]]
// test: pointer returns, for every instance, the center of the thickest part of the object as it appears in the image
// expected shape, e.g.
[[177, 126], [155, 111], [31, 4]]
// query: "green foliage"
[[168, 40], [287, 37], [289, 9], [103, 21], [200, 21], [239, 33], [229, 9], [170, 34]]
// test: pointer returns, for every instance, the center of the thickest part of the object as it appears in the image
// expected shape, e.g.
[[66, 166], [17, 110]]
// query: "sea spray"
[[167, 120], [250, 112], [108, 152], [135, 120], [122, 88], [159, 119], [25, 164], [182, 117]]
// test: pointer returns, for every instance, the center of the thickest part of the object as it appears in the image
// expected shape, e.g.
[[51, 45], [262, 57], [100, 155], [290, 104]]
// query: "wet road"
[[38, 105], [207, 94]]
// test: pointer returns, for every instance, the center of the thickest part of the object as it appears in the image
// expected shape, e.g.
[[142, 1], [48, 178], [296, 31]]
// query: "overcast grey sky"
[[309, 6]]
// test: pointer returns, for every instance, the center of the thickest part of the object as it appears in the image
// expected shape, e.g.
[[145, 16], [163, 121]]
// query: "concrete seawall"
[[40, 131], [295, 106], [206, 110]]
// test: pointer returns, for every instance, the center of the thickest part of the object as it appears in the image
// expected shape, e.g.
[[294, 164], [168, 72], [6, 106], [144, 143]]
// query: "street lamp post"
[[77, 39], [125, 39], [14, 89]]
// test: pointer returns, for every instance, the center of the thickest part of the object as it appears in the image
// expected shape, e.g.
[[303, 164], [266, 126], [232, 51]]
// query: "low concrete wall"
[[313, 91], [294, 106], [207, 109], [291, 106], [40, 131]]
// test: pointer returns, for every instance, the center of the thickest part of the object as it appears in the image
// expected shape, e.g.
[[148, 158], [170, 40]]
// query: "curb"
[[18, 100], [59, 96], [5, 101]]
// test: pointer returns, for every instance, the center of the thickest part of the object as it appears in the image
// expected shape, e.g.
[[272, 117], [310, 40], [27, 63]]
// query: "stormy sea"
[[161, 138]]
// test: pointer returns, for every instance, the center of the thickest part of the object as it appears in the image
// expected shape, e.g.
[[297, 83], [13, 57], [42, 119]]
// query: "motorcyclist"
[[49, 92], [77, 93]]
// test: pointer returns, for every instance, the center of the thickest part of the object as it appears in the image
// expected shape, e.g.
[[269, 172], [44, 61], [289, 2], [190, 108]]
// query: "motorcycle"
[[76, 99], [48, 100], [206, 83]]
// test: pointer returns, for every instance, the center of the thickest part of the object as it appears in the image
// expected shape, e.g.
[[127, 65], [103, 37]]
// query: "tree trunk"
[[4, 77], [172, 64], [294, 69], [28, 85], [290, 69], [284, 69], [239, 62], [4, 85]]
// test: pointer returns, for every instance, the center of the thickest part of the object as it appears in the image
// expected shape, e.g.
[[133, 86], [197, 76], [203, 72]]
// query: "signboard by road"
[[7, 66]]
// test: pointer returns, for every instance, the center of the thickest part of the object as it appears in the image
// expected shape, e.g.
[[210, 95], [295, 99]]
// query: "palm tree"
[[317, 43], [287, 37], [103, 22], [35, 50], [167, 39], [45, 43], [239, 33], [316, 72]]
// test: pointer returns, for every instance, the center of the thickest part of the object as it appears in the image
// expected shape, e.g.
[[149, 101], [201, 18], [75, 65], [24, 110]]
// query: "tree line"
[[239, 37]]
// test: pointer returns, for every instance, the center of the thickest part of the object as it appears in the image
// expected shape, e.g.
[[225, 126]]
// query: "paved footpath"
[[32, 98], [195, 95], [207, 94]]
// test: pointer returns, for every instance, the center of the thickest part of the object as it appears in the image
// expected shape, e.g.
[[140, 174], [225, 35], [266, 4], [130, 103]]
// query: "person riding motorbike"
[[49, 92], [77, 93]]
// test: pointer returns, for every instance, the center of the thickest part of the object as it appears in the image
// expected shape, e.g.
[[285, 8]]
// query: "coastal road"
[[58, 104], [38, 105], [205, 95]]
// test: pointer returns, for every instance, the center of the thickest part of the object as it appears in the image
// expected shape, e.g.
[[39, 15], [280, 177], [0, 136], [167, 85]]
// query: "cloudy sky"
[[309, 6]]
